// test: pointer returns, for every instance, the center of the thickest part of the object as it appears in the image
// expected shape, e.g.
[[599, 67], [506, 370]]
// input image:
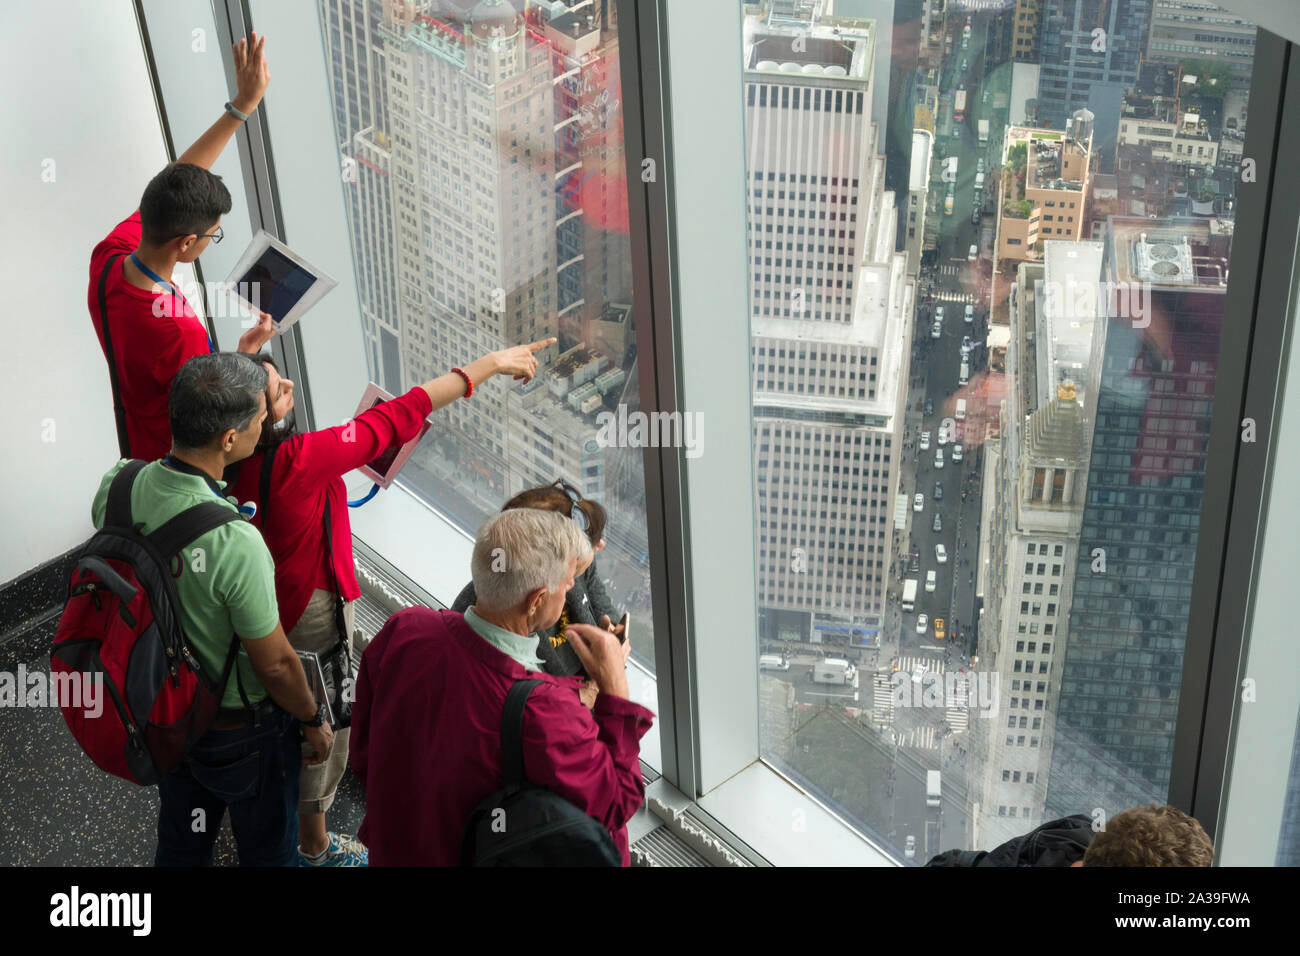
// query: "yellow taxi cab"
[[938, 628]]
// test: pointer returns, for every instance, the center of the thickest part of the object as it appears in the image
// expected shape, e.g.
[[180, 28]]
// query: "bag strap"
[[264, 484], [512, 733], [117, 512], [340, 623], [119, 410], [175, 534]]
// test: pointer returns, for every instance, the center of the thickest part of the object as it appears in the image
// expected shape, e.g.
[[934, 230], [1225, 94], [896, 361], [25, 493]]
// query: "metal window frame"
[[1252, 369], [257, 163], [645, 134]]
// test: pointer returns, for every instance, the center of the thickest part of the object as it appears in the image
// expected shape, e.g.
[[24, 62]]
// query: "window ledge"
[[785, 824]]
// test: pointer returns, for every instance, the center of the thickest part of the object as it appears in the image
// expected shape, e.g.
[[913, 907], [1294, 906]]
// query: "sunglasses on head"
[[576, 513]]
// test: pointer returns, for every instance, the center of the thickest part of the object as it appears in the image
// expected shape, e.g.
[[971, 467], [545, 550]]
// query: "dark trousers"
[[252, 771]]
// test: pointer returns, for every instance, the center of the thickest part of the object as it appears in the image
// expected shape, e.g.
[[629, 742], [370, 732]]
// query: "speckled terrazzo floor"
[[59, 809]]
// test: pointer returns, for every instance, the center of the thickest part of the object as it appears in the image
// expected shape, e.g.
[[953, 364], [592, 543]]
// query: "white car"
[[944, 436], [938, 458], [931, 581], [909, 848], [936, 331], [922, 623], [973, 254], [966, 344], [925, 441], [970, 313], [918, 503], [940, 553], [979, 165], [956, 452], [938, 313], [918, 674]]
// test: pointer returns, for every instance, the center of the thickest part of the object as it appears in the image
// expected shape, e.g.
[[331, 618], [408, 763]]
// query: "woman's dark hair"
[[182, 200], [271, 436], [553, 498], [211, 394]]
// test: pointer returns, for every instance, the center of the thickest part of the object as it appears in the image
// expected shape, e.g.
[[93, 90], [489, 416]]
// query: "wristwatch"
[[316, 721]]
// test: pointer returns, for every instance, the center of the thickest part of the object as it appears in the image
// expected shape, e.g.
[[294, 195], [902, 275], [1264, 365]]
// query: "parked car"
[[940, 553], [925, 441], [918, 503], [922, 623]]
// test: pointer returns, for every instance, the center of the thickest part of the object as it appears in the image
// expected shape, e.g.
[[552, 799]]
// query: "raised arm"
[[251, 80], [343, 448]]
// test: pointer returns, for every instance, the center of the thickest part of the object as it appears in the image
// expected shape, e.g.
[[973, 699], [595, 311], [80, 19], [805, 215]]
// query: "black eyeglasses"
[[576, 513], [216, 237]]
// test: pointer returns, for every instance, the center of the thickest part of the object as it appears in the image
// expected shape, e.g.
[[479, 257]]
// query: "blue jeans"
[[253, 771]]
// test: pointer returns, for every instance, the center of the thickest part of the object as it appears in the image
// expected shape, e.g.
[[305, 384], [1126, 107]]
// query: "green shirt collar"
[[522, 649]]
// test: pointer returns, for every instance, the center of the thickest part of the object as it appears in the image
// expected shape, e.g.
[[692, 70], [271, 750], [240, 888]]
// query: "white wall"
[[89, 110]]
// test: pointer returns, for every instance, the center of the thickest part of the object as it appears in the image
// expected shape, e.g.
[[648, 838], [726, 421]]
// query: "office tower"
[[830, 316], [1035, 462], [1089, 50], [1154, 375], [1183, 30]]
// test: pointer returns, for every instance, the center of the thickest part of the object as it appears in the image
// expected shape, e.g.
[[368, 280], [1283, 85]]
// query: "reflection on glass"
[[986, 304], [481, 142]]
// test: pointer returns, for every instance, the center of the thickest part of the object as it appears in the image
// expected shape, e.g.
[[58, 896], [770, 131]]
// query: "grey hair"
[[213, 393], [520, 550]]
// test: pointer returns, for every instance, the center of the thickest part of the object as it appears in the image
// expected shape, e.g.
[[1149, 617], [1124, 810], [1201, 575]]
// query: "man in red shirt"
[[152, 327]]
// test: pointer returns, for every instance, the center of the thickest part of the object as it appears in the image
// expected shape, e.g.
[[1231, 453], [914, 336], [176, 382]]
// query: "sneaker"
[[343, 850]]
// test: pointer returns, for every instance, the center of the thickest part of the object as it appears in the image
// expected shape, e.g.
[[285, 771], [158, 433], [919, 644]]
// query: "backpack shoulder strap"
[[117, 511], [119, 410], [173, 535], [264, 484], [512, 732]]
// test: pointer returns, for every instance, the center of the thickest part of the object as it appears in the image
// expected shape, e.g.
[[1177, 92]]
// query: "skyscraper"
[[1153, 373], [1090, 50], [830, 318]]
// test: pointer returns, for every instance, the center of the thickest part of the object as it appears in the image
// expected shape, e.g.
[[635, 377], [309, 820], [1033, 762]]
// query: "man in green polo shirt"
[[248, 762]]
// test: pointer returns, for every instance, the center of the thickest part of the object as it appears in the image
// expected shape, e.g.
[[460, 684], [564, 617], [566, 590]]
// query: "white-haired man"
[[427, 716]]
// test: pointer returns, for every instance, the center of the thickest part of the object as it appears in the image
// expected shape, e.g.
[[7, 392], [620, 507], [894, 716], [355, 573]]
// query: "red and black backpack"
[[121, 632]]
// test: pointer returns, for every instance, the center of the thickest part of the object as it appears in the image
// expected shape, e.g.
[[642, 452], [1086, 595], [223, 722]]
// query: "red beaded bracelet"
[[468, 384]]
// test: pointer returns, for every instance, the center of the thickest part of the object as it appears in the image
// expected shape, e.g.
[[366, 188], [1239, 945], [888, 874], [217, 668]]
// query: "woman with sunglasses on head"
[[296, 481], [587, 601]]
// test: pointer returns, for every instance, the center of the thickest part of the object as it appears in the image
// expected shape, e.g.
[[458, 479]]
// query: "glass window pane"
[[481, 150], [1025, 239]]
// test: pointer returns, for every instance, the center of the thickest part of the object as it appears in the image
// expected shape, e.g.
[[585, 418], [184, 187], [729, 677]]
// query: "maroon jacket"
[[426, 739]]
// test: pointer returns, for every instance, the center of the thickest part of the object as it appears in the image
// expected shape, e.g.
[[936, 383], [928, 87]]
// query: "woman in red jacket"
[[305, 524]]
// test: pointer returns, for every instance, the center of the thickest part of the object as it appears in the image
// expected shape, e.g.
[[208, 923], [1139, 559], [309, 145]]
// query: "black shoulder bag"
[[119, 410]]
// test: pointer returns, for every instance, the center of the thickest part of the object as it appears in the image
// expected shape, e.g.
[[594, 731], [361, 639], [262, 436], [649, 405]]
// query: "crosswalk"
[[920, 738], [956, 713], [956, 298], [910, 664]]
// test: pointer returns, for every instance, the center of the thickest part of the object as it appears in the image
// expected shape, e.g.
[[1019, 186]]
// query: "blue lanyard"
[[249, 508], [175, 291]]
